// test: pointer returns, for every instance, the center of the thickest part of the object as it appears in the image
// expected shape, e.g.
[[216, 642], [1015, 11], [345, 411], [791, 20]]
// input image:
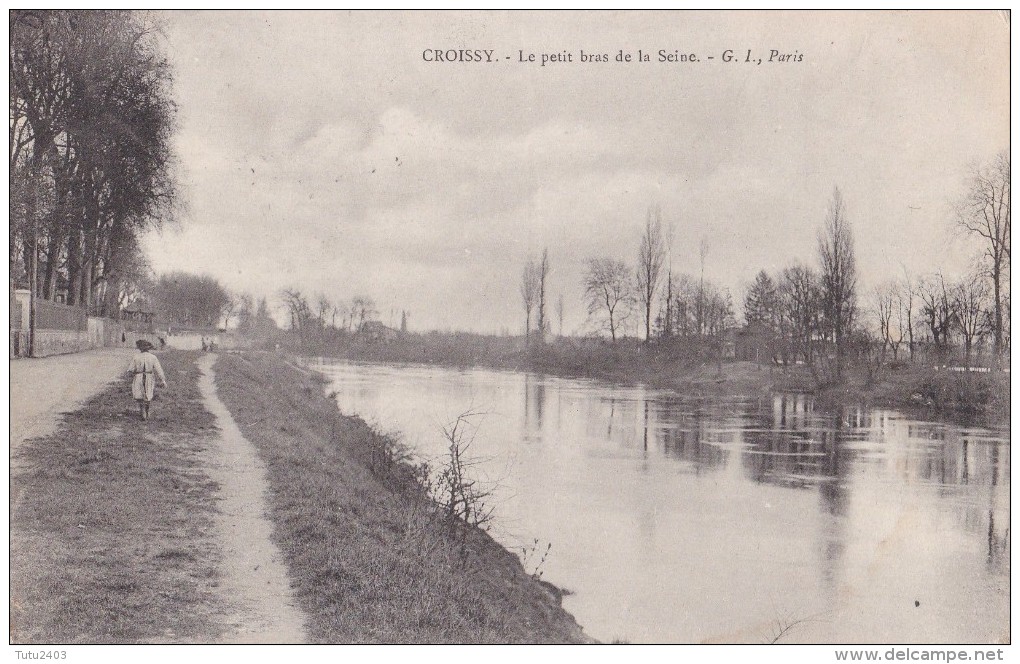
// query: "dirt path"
[[255, 584], [42, 389]]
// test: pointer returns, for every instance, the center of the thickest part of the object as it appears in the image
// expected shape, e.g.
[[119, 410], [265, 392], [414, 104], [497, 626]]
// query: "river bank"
[[694, 369], [118, 529], [371, 559]]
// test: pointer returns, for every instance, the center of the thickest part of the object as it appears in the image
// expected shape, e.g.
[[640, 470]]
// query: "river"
[[734, 520]]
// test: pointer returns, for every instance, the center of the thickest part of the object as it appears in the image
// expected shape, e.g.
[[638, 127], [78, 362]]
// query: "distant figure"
[[145, 367], [123, 338], [205, 345]]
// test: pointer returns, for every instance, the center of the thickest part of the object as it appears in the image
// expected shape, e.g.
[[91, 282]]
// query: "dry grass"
[[110, 538], [371, 560]]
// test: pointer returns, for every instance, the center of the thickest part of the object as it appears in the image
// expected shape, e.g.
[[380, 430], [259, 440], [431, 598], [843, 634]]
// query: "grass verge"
[[110, 535], [370, 560]]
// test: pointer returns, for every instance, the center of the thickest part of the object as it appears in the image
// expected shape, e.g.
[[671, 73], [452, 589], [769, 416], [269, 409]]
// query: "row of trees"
[[802, 307], [319, 316], [806, 307], [664, 302], [91, 121], [933, 310], [810, 311]]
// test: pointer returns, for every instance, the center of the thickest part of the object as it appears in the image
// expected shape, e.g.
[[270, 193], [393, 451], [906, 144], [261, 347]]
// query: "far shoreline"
[[968, 399]]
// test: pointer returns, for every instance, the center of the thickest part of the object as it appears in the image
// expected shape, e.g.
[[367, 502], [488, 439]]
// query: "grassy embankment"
[[110, 533], [112, 541], [692, 368], [370, 558], [969, 398]]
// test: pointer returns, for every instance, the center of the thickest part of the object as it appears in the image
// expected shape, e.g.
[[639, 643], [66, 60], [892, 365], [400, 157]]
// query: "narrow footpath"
[[255, 585]]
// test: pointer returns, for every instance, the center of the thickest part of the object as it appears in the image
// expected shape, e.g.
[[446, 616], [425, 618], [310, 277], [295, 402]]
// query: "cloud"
[[322, 152]]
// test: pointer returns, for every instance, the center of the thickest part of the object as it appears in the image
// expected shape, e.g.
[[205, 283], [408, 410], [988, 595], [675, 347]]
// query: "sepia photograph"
[[618, 327]]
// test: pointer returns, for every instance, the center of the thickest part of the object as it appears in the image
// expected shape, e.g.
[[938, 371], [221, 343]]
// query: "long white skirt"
[[143, 386]]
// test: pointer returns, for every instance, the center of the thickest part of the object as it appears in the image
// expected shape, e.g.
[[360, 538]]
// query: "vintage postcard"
[[575, 327]]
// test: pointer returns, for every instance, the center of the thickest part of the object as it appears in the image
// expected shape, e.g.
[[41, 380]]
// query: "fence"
[[64, 329]]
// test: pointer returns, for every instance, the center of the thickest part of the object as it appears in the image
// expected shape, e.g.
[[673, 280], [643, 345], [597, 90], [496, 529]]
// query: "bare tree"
[[651, 256], [666, 309], [607, 289], [702, 254], [937, 308], [297, 307], [905, 311], [800, 302], [970, 301], [838, 276], [985, 213], [667, 316], [885, 305], [529, 292], [230, 307], [363, 310]]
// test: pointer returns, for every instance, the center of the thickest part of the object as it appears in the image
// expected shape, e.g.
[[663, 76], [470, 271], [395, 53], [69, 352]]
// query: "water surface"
[[679, 520]]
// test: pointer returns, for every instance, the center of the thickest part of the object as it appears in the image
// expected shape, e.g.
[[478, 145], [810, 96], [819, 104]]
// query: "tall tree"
[[559, 312], [529, 292], [651, 256], [985, 213], [702, 255], [607, 289], [838, 265], [91, 159], [543, 274], [905, 311]]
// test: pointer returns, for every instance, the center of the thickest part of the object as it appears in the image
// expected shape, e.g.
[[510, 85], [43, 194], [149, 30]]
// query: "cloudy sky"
[[321, 151]]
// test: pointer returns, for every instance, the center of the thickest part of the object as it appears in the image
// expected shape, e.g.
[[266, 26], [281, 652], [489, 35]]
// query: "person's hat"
[[143, 344]]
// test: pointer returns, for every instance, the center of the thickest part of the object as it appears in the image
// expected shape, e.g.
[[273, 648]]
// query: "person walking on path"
[[146, 367]]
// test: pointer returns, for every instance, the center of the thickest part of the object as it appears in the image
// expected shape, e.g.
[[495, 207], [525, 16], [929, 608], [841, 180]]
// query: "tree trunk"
[[996, 278], [52, 264], [74, 273], [910, 334]]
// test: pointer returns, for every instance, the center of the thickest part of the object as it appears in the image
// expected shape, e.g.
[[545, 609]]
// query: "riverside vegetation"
[[373, 556], [112, 532], [694, 367]]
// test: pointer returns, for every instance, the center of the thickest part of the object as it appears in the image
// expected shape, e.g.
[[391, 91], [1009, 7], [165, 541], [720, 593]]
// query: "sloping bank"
[[370, 558]]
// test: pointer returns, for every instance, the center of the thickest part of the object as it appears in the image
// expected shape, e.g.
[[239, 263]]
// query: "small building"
[[138, 319], [754, 343]]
